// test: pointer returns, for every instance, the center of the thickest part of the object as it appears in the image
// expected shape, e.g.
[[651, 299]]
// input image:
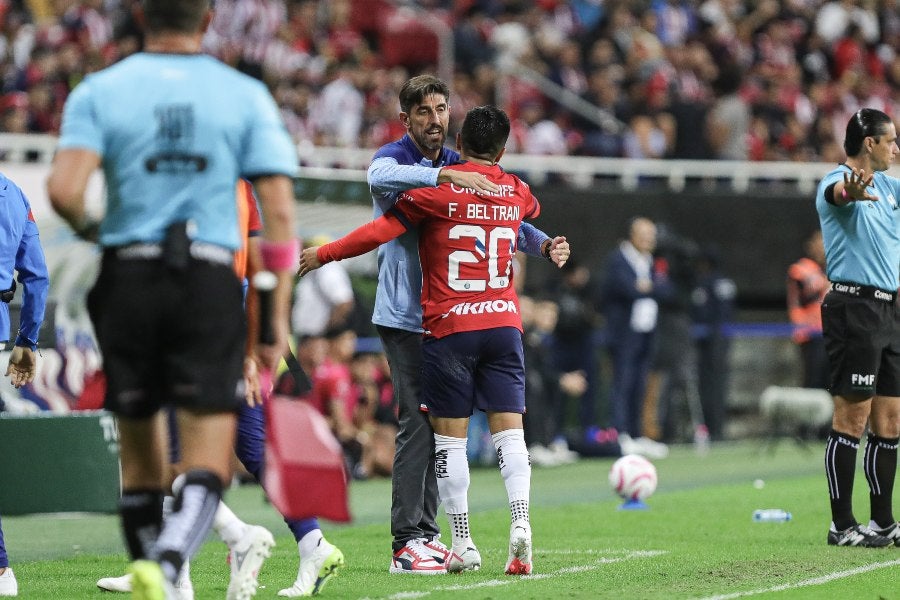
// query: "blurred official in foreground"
[[173, 131]]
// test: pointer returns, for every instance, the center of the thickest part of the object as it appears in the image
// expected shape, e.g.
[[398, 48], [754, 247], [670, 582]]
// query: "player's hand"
[[468, 179], [309, 261], [252, 390], [22, 366], [559, 250], [855, 185]]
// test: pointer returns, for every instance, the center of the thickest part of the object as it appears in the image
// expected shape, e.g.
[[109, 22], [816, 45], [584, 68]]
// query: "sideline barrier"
[[59, 463]]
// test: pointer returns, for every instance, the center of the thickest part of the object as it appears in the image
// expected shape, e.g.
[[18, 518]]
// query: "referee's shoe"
[[891, 532], [857, 535]]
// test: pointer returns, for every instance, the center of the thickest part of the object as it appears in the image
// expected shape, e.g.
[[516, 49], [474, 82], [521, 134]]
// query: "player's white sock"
[[228, 526], [515, 467], [452, 470], [309, 542]]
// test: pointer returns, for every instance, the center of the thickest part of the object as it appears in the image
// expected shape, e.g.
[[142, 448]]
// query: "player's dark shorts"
[[861, 328], [474, 369], [169, 336]]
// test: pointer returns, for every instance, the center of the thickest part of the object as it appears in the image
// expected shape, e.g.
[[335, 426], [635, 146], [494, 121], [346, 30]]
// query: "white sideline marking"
[[626, 555], [809, 582]]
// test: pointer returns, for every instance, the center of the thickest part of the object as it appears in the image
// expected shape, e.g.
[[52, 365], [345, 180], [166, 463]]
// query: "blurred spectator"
[[297, 380], [546, 387], [806, 288], [375, 415], [14, 114], [712, 308], [337, 113], [336, 396], [672, 381], [324, 299], [649, 136], [574, 341], [729, 119]]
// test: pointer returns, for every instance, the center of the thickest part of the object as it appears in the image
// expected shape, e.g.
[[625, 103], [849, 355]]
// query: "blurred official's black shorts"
[[862, 337], [169, 336]]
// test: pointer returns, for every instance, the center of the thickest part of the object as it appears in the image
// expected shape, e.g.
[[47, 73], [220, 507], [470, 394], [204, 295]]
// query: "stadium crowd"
[[767, 80]]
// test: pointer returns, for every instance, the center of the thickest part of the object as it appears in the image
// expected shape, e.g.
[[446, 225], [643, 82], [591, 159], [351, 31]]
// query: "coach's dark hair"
[[866, 122], [179, 16], [484, 132], [417, 88]]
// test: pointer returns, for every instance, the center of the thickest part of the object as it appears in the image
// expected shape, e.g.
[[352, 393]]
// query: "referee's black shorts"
[[169, 336], [862, 337]]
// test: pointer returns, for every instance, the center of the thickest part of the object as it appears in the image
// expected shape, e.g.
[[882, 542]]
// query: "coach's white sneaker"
[[115, 584], [519, 561], [315, 571], [436, 548], [246, 558], [414, 558], [464, 557], [8, 584]]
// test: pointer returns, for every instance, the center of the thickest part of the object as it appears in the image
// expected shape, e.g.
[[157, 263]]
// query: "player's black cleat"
[[857, 535]]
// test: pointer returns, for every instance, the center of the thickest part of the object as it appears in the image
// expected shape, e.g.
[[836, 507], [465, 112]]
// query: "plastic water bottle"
[[771, 515]]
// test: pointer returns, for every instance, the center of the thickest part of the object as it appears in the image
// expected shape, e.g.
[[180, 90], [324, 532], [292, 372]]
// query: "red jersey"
[[467, 242]]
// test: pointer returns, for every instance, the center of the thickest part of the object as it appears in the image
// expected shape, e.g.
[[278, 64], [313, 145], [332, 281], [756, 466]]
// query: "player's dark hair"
[[484, 132], [180, 16], [866, 122], [415, 90]]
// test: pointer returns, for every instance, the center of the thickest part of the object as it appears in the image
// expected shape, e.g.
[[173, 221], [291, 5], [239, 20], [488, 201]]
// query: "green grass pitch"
[[696, 540]]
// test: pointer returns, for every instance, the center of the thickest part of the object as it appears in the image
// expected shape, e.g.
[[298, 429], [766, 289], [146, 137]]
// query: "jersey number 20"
[[485, 242]]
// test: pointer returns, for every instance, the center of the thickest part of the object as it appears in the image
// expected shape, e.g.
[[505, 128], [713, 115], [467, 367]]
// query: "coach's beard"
[[432, 140]]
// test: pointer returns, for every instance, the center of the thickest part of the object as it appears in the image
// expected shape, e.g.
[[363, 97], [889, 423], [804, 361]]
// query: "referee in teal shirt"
[[858, 212]]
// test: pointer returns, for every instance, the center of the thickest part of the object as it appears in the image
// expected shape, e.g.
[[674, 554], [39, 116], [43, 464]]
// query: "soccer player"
[[174, 130], [20, 250], [319, 559], [858, 214], [419, 159], [472, 349]]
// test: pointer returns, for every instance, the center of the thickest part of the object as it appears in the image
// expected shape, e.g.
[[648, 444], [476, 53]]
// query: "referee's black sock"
[[840, 467], [141, 512], [880, 467], [192, 516]]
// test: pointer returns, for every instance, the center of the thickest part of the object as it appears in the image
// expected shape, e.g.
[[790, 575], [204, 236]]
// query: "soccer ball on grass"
[[633, 477]]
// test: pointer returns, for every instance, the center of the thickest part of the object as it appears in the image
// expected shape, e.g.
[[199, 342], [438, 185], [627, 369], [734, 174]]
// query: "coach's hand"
[[309, 261], [468, 179], [22, 366], [559, 250]]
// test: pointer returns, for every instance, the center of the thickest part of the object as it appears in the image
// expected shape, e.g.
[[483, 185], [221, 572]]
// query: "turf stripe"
[[809, 582], [627, 555]]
